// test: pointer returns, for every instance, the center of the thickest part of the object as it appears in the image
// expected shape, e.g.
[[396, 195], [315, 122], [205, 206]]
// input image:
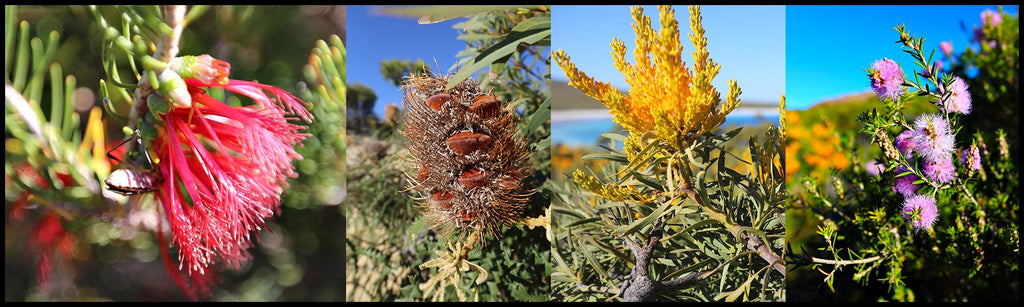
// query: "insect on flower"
[[128, 181]]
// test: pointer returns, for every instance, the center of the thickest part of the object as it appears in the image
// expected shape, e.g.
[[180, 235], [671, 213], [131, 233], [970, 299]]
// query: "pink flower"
[[886, 79], [933, 137], [947, 47], [959, 99], [874, 168], [920, 211], [224, 169], [906, 142], [990, 17], [940, 170], [905, 185]]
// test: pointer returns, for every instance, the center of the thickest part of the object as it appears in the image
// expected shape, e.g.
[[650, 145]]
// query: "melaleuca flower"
[[971, 157], [990, 17], [874, 168], [920, 211], [959, 100], [223, 170], [933, 136], [886, 79], [906, 143], [947, 48], [905, 185], [940, 170]]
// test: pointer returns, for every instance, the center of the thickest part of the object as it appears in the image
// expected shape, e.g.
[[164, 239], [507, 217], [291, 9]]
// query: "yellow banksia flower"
[[665, 96], [609, 191]]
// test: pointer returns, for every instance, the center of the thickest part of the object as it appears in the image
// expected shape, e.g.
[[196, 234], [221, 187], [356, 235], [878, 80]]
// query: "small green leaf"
[[543, 114]]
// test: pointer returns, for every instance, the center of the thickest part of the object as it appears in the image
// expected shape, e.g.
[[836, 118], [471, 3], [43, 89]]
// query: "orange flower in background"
[[813, 147]]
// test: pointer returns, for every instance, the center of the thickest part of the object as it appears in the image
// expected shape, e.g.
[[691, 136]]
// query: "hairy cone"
[[469, 153]]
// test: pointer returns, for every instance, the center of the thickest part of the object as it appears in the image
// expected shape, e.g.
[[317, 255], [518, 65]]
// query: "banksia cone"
[[471, 163]]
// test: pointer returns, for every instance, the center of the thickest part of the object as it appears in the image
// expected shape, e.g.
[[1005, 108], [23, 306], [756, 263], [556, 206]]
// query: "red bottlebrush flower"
[[223, 169], [47, 240]]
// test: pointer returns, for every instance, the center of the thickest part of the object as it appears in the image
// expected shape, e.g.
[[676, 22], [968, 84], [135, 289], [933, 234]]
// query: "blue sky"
[[373, 37], [749, 42], [828, 47]]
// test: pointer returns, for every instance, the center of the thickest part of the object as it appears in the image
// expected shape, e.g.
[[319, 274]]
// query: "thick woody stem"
[[166, 49], [640, 287]]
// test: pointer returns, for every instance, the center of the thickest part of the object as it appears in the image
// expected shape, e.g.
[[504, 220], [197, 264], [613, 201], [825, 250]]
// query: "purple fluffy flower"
[[933, 138], [990, 17], [874, 168], [940, 170], [920, 210], [905, 185], [959, 99], [886, 79], [971, 157], [906, 142]]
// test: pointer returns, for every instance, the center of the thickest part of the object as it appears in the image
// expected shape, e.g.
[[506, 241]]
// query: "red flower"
[[47, 240], [223, 170]]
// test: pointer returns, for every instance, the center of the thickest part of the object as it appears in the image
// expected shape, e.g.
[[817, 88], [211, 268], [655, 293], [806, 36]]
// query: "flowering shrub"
[[222, 156], [930, 217], [473, 226], [663, 217]]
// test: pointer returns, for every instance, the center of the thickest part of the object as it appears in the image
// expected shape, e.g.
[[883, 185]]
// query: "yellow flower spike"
[[664, 95], [782, 116], [611, 192]]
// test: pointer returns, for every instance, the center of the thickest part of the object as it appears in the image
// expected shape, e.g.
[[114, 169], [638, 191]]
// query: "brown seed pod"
[[441, 199], [485, 106], [437, 101], [473, 178], [470, 153], [466, 142], [423, 173], [508, 182]]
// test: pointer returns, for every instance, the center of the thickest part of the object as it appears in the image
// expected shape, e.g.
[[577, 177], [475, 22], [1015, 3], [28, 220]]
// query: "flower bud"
[[157, 104], [173, 88], [203, 68]]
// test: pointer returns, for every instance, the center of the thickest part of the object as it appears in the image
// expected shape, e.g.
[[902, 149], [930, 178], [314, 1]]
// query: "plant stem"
[[167, 49], [845, 262]]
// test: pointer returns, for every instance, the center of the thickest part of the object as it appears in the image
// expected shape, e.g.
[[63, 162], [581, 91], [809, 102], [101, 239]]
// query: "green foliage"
[[708, 210], [996, 88], [868, 250], [388, 239], [395, 70], [360, 100]]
